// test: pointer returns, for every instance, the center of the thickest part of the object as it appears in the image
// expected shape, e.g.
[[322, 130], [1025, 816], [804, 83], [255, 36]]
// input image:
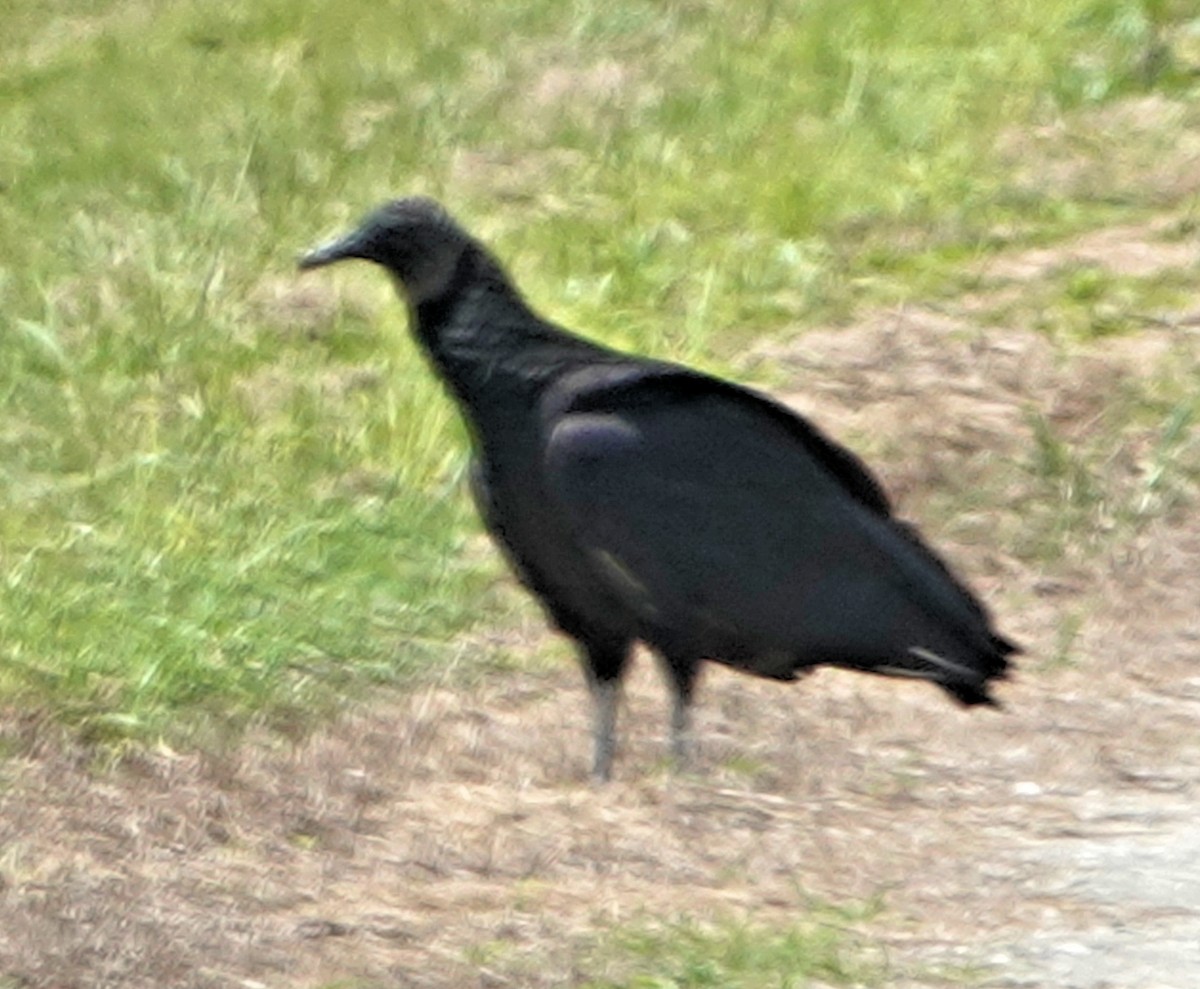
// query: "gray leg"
[[604, 664], [606, 694], [681, 674], [681, 731]]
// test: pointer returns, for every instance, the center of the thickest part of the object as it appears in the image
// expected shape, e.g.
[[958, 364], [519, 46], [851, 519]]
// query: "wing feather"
[[731, 529]]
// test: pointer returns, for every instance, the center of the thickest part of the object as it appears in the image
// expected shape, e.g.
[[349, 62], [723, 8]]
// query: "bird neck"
[[483, 338]]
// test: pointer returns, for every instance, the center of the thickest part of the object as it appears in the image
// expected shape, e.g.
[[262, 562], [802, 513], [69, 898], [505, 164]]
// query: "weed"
[[688, 954]]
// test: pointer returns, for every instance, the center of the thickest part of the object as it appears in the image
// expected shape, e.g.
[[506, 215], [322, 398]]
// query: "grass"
[[722, 952], [687, 954], [227, 493]]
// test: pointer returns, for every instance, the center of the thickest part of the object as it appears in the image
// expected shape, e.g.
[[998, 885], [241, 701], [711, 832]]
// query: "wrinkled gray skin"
[[641, 500]]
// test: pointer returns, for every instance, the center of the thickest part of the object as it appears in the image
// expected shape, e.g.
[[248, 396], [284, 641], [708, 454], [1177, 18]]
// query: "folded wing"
[[737, 532]]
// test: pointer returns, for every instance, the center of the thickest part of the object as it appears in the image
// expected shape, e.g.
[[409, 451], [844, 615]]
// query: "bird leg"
[[605, 696], [604, 665], [681, 673]]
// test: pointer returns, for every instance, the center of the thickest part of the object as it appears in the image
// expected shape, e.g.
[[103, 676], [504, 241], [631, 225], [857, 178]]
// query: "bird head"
[[415, 239]]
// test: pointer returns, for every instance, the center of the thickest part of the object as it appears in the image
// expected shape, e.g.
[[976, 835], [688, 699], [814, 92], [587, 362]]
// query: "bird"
[[643, 501]]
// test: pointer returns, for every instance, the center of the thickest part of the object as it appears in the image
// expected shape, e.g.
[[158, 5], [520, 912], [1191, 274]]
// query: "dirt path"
[[449, 838]]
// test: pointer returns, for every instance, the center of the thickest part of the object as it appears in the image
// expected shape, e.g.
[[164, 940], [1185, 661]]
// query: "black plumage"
[[642, 500]]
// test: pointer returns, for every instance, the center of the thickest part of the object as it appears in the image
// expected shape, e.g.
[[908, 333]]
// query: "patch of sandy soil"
[[1135, 250], [450, 838]]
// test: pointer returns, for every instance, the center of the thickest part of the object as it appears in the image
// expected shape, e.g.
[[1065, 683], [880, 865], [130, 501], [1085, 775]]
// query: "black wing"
[[607, 387], [732, 527]]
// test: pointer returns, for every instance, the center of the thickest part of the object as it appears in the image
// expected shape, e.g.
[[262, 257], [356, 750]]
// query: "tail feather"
[[941, 663], [1006, 647], [966, 683]]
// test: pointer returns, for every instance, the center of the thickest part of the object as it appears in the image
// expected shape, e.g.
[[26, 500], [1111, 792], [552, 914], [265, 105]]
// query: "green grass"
[[687, 954], [226, 491], [825, 948]]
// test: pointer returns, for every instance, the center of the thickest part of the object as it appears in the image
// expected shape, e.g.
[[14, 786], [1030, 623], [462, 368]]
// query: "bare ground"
[[450, 838]]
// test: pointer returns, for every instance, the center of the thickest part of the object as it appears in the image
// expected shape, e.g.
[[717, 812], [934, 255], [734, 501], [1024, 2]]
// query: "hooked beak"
[[339, 249]]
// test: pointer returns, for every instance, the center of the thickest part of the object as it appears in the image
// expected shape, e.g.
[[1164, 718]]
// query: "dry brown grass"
[[1159, 149]]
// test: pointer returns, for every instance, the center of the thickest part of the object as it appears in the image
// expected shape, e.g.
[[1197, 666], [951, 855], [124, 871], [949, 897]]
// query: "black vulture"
[[641, 500]]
